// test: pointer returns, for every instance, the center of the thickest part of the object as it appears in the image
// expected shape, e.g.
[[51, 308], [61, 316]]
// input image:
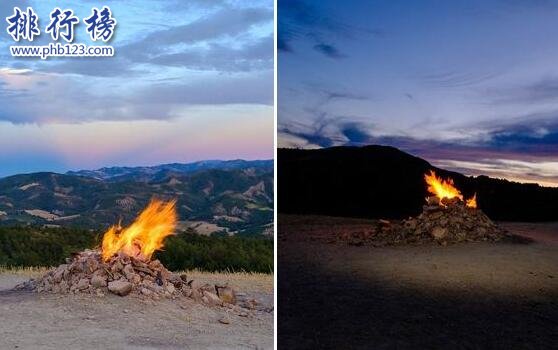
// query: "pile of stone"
[[451, 221], [448, 221], [86, 272]]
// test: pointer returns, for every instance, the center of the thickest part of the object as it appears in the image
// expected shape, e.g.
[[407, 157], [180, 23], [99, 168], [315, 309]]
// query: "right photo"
[[417, 174]]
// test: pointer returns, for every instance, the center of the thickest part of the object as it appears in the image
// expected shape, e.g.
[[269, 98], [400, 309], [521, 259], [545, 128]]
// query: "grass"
[[241, 281], [32, 271]]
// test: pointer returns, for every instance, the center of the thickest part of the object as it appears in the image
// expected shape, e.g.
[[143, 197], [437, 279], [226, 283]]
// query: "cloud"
[[50, 98], [254, 56], [225, 23], [332, 95], [252, 89], [283, 45], [528, 136], [455, 79], [222, 54], [327, 131], [355, 133], [328, 50], [300, 21], [106, 67], [543, 90]]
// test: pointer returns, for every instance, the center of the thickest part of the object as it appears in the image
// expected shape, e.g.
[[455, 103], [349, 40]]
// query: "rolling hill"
[[234, 196], [384, 182], [151, 172]]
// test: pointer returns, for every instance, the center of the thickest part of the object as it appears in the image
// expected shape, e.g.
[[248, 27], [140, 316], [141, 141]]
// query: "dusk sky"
[[190, 80], [470, 86]]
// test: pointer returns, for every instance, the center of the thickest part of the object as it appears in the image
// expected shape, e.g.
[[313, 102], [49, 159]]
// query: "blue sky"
[[470, 86], [190, 80]]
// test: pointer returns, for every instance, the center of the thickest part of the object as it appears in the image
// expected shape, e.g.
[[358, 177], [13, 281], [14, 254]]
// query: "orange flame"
[[445, 189], [441, 188], [145, 235], [472, 202]]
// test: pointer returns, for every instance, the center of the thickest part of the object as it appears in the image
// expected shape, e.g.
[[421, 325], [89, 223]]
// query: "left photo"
[[136, 175]]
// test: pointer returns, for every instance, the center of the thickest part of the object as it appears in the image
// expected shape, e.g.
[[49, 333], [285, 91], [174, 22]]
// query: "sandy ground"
[[32, 321], [464, 296]]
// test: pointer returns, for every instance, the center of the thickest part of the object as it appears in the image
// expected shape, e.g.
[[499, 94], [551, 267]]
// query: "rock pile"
[[448, 221], [122, 275], [451, 221]]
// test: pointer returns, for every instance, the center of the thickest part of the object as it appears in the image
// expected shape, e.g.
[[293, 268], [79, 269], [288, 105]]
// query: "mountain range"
[[212, 196], [150, 172], [385, 182]]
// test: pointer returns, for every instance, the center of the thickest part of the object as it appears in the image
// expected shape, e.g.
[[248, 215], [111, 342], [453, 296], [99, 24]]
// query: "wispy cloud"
[[301, 21], [328, 50], [221, 54], [454, 79]]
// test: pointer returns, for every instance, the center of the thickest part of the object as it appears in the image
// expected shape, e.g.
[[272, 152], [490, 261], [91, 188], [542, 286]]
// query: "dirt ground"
[[32, 321], [463, 296]]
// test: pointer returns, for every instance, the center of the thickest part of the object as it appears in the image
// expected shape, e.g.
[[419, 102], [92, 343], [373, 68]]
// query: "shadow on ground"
[[325, 309]]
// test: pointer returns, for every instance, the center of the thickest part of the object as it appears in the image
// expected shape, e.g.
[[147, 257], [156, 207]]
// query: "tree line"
[[43, 246]]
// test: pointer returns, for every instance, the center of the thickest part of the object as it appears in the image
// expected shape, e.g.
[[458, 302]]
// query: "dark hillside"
[[384, 182]]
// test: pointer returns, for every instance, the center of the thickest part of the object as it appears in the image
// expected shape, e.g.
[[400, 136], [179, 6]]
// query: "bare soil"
[[462, 296], [46, 321]]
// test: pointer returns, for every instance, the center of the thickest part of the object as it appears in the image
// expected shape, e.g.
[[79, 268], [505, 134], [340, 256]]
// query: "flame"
[[441, 188], [145, 235], [445, 189], [472, 202]]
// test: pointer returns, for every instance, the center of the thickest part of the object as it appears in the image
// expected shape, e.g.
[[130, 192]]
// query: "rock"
[[411, 224], [98, 281], [46, 285], [176, 281], [117, 266], [439, 232], [153, 287], [63, 287], [82, 284], [187, 292], [211, 299], [92, 265], [133, 278], [86, 272], [430, 208], [224, 320], [195, 284], [128, 270], [435, 216], [120, 287], [433, 201], [226, 294], [59, 273], [207, 287]]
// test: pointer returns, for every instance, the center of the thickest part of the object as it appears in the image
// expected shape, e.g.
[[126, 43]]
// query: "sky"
[[190, 80], [470, 86]]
